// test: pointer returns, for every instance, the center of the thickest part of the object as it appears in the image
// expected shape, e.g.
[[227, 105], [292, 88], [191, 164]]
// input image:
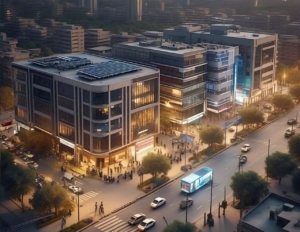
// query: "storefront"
[[142, 147]]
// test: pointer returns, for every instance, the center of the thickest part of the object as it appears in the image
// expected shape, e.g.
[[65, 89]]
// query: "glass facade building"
[[99, 121]]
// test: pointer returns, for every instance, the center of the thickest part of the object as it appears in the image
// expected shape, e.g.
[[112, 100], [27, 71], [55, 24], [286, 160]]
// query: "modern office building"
[[257, 56], [95, 37], [288, 49], [182, 76], [99, 110], [221, 76], [275, 213], [134, 10]]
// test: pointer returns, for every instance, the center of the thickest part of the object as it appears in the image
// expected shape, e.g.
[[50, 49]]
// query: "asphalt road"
[[224, 166]]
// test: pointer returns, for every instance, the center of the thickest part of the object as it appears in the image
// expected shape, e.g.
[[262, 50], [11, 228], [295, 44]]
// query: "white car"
[[246, 147], [75, 189], [28, 155], [33, 165], [137, 218], [146, 224], [159, 201]]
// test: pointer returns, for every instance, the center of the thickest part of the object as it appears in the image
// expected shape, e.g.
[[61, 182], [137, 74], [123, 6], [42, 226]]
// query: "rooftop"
[[275, 213], [88, 68]]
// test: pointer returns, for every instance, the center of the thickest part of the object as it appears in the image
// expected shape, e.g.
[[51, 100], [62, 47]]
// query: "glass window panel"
[[100, 113], [66, 132], [100, 98], [66, 117], [116, 124], [116, 140], [86, 96], [86, 111], [116, 110], [100, 144], [116, 95], [101, 127]]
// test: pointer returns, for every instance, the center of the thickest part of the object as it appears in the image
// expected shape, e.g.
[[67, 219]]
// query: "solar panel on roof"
[[106, 69]]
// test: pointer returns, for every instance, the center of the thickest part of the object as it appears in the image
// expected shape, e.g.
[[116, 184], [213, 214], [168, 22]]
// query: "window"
[[86, 125], [257, 62], [42, 122], [100, 98], [66, 102], [42, 81], [66, 117], [21, 100], [42, 106], [116, 140], [116, 124], [144, 93], [86, 111], [101, 127], [66, 131], [42, 94], [20, 75], [100, 144], [20, 88], [86, 141], [21, 113], [66, 90], [116, 95], [116, 110], [100, 113], [86, 96]]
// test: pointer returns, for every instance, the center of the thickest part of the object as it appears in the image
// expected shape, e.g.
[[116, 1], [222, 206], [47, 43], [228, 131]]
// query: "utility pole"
[[210, 220]]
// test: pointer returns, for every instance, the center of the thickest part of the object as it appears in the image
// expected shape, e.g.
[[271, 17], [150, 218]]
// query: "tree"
[[165, 120], [251, 115], [179, 226], [155, 164], [7, 161], [295, 91], [46, 51], [279, 165], [6, 97], [249, 185], [296, 181], [211, 135], [294, 146], [51, 196], [292, 76], [283, 101], [280, 71], [18, 181]]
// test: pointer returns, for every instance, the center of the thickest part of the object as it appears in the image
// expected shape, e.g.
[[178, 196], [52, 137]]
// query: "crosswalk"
[[87, 196], [76, 182], [115, 224]]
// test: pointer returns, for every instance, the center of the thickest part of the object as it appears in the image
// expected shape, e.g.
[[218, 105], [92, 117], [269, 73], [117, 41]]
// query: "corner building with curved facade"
[[99, 110]]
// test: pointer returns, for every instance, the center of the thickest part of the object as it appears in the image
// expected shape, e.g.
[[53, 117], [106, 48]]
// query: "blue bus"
[[196, 180]]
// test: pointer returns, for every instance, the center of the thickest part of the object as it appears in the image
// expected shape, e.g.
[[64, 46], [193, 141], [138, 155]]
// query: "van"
[[68, 176]]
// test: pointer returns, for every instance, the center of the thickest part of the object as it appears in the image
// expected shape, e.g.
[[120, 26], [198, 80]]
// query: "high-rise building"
[[288, 49], [91, 5], [102, 114], [257, 56], [182, 76], [134, 10], [95, 37]]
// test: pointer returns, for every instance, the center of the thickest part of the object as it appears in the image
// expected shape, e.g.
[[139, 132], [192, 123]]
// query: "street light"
[[283, 78]]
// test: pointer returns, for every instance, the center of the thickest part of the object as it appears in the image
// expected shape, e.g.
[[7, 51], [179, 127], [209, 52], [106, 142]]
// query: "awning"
[[186, 138]]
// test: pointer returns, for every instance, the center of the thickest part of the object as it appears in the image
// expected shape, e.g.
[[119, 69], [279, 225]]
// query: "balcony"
[[220, 85], [219, 75]]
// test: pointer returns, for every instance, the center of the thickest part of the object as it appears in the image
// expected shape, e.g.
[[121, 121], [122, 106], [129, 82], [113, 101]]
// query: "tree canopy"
[[249, 184], [165, 120], [7, 161], [295, 91], [179, 226], [17, 182], [251, 115], [296, 181], [279, 165], [155, 164], [211, 135], [294, 146], [51, 196], [283, 101], [6, 97], [292, 76]]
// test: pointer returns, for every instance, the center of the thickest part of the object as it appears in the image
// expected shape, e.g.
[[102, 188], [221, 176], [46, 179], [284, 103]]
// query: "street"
[[224, 166]]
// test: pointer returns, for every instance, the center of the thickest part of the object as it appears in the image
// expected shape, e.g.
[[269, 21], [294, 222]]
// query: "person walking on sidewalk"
[[96, 206]]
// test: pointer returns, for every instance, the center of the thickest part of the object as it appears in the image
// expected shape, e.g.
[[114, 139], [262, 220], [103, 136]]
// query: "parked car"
[[33, 165], [137, 218], [146, 224], [12, 149], [246, 147], [28, 161], [186, 202], [289, 132], [292, 121], [267, 106], [28, 155], [159, 201]]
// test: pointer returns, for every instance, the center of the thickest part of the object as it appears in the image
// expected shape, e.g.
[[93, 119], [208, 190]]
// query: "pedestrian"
[[118, 180], [115, 169], [118, 169], [96, 206], [70, 212]]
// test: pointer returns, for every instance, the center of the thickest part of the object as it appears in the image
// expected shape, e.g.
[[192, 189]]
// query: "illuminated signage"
[[65, 142], [145, 144]]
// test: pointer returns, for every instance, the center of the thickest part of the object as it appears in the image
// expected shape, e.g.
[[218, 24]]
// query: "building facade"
[[101, 114], [182, 76], [288, 49], [256, 65], [96, 37]]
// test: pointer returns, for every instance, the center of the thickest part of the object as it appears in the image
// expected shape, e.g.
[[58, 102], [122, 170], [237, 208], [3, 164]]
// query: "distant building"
[[275, 213], [125, 37], [102, 114], [257, 56], [292, 29], [134, 10], [288, 49], [91, 5], [96, 37], [99, 50]]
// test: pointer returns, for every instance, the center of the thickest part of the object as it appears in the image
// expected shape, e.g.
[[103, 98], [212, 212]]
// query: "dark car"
[[292, 121], [186, 202], [137, 218], [243, 159], [289, 132]]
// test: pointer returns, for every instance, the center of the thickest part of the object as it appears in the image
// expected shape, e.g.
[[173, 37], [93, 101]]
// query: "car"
[[27, 161], [289, 132], [12, 149], [33, 165], [246, 147], [230, 130], [75, 189], [137, 218], [186, 202], [243, 159], [39, 178], [292, 121], [159, 201], [267, 106], [28, 155], [146, 224]]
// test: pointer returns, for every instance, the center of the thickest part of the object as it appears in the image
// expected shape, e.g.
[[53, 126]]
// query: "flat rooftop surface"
[[259, 216], [241, 34], [72, 73]]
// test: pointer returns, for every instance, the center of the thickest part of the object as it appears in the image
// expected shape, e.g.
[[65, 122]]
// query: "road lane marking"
[[170, 205], [182, 212], [199, 206]]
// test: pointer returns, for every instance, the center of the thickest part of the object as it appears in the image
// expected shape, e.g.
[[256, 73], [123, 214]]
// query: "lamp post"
[[268, 155], [283, 78]]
